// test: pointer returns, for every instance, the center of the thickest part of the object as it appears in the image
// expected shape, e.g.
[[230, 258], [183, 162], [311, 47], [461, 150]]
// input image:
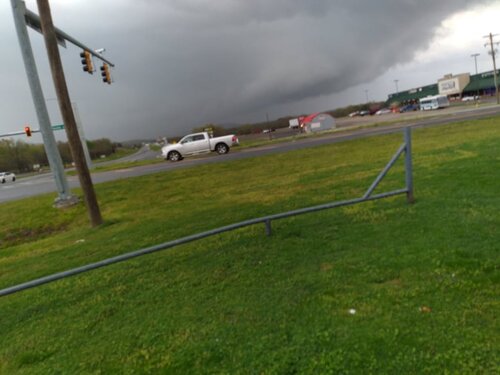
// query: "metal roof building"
[[456, 85], [317, 122], [482, 84], [413, 95]]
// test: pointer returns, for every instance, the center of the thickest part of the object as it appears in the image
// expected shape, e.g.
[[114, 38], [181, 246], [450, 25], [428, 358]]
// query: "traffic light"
[[87, 62], [27, 130], [106, 77]]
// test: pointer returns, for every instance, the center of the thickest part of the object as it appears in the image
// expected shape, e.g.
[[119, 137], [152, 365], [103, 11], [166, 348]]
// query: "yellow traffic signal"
[[87, 62], [106, 76], [27, 130]]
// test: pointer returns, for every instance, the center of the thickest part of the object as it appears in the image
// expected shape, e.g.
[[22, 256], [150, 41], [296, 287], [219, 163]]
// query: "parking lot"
[[352, 122]]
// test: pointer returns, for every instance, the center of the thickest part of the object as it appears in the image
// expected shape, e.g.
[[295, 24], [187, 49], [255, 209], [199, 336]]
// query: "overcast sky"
[[185, 63]]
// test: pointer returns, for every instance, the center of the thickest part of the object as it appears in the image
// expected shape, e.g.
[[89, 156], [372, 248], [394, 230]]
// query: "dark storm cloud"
[[182, 63]]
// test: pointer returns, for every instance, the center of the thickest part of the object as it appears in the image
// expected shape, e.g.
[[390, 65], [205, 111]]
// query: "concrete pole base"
[[69, 201]]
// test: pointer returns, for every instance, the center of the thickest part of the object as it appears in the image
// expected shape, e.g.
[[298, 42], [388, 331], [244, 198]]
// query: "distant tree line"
[[372, 107], [18, 156]]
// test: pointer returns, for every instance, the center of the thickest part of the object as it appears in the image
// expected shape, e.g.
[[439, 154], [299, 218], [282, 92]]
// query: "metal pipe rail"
[[408, 190]]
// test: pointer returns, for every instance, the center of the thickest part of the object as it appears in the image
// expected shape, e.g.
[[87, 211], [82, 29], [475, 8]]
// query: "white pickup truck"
[[198, 143]]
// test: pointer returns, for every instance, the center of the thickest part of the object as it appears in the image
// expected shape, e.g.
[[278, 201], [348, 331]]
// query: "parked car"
[[198, 143], [7, 176], [354, 114], [470, 98], [383, 111], [364, 113], [409, 108]]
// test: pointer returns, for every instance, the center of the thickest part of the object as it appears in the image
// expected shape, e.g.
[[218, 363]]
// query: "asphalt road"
[[35, 185], [144, 153]]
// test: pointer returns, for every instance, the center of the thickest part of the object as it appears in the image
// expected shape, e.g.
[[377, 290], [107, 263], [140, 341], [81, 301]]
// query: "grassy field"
[[382, 287]]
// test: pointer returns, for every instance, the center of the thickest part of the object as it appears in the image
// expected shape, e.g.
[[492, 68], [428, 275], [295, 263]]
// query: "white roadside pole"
[[83, 140]]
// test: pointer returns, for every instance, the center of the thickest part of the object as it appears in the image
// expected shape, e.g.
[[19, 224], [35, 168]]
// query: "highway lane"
[[36, 185], [144, 153]]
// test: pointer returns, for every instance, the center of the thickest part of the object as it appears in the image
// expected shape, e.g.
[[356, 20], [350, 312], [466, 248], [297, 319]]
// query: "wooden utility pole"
[[68, 116], [493, 52]]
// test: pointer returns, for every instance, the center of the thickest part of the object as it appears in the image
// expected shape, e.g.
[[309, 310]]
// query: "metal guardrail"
[[408, 190]]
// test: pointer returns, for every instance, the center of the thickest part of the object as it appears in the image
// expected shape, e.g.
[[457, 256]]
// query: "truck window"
[[199, 137]]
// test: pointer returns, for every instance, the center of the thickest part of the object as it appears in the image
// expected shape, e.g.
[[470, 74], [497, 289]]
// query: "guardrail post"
[[408, 166], [269, 230]]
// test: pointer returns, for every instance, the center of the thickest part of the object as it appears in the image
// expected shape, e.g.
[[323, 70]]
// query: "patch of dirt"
[[25, 235], [325, 267]]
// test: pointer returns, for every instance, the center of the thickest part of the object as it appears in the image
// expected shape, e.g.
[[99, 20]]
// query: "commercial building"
[[482, 84], [413, 95], [453, 86]]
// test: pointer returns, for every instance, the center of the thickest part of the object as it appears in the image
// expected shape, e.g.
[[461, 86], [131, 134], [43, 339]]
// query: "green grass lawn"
[[423, 279], [122, 165]]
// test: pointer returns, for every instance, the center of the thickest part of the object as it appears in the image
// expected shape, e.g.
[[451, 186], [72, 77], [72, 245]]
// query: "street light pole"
[[396, 83], [476, 97], [366, 94], [475, 55]]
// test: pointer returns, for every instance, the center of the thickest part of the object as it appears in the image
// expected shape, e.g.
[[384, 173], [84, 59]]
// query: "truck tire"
[[221, 148], [174, 156]]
